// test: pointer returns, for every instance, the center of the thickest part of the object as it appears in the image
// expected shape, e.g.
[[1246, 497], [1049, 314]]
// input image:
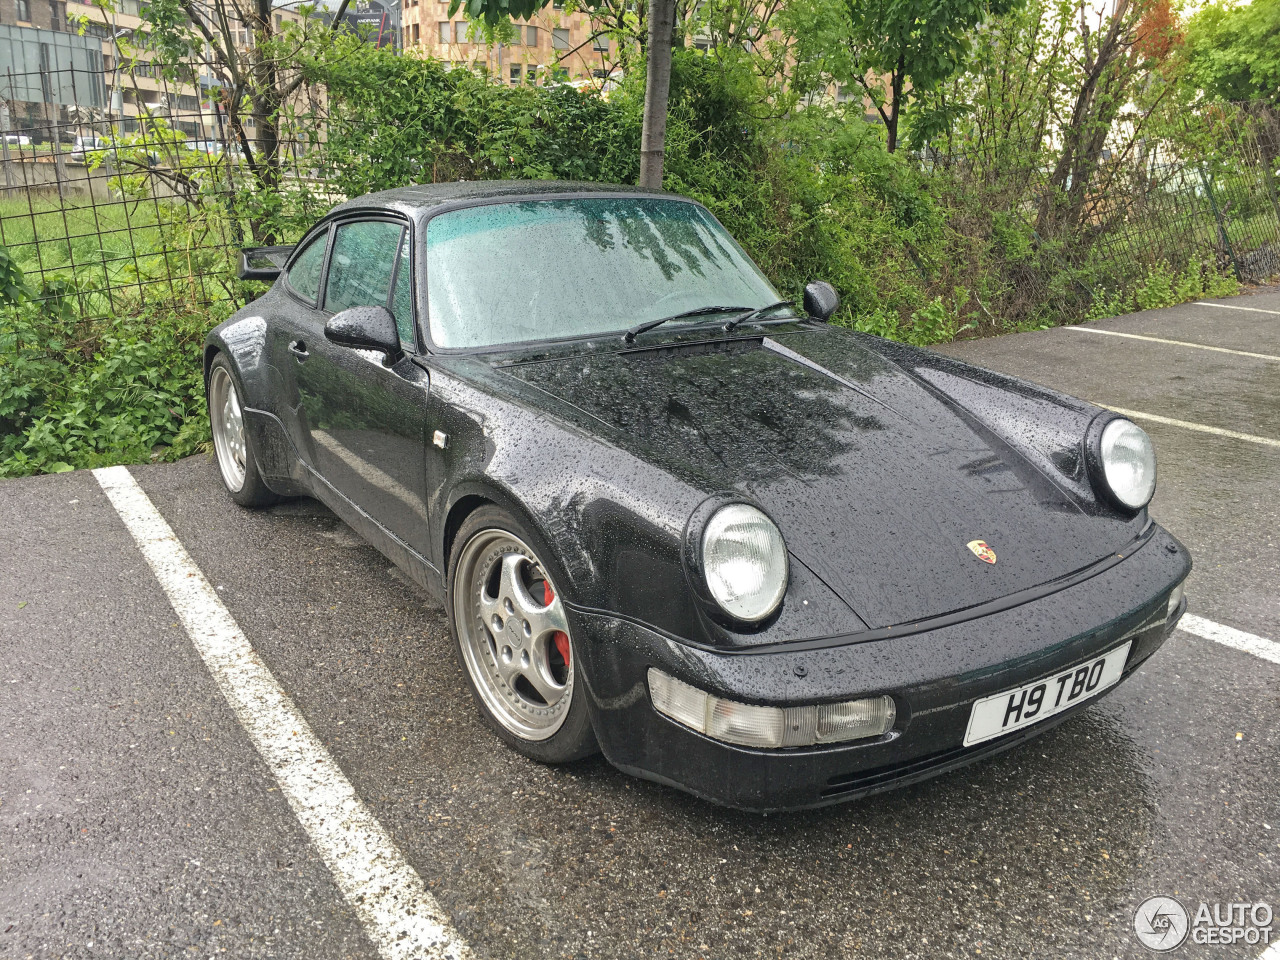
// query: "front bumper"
[[934, 678]]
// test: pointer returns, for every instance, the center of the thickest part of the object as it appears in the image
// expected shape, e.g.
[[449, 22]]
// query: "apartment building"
[[552, 39], [49, 72]]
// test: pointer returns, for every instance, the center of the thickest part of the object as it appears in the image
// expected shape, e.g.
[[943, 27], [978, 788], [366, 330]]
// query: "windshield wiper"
[[753, 314], [635, 331]]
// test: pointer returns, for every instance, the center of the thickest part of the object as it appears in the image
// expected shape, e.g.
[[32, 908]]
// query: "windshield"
[[547, 269]]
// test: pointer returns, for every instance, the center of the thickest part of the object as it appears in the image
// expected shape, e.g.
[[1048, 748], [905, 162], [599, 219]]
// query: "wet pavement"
[[137, 821]]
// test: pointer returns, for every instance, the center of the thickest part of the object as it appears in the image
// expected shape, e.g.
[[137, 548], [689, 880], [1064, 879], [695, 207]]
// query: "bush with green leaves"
[[86, 393], [919, 251]]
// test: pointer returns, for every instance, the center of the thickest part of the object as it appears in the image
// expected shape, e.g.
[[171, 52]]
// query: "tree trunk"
[[265, 104], [657, 85], [899, 76], [1108, 73]]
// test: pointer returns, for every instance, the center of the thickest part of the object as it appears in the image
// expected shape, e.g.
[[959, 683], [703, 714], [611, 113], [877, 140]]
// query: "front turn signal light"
[[750, 725]]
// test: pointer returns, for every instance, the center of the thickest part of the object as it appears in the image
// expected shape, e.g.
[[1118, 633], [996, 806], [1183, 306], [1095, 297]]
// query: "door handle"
[[299, 350]]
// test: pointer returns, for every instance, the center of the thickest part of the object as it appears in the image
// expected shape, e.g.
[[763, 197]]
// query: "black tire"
[[574, 738], [252, 490]]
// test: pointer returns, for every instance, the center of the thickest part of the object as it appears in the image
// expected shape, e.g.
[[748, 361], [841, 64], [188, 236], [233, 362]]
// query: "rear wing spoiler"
[[263, 263]]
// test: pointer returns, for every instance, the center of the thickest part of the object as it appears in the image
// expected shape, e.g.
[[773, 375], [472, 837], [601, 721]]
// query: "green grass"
[[102, 247], [44, 235]]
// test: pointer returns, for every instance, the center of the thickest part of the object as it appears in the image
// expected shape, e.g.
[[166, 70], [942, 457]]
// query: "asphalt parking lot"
[[139, 820]]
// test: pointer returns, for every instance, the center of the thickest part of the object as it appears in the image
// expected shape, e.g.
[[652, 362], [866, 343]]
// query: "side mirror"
[[263, 263], [820, 300], [365, 328]]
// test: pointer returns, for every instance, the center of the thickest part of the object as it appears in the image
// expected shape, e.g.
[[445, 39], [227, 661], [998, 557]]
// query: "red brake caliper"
[[559, 638]]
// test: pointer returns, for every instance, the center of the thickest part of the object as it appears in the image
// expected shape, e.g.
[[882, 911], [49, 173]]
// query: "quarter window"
[[364, 256], [304, 275], [402, 297]]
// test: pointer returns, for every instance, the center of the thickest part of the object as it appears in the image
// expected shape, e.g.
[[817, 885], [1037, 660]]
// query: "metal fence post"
[[4, 144], [60, 166], [1222, 227]]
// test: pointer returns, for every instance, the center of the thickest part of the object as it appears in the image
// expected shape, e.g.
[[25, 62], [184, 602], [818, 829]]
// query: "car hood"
[[877, 482]]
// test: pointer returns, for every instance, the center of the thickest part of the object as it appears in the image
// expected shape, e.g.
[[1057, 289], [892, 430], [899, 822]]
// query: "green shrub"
[[919, 251], [86, 393], [1157, 290]]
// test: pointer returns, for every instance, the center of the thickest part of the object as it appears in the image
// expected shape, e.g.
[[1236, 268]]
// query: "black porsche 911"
[[738, 550]]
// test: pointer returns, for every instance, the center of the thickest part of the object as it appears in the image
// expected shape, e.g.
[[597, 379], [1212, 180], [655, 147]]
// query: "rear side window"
[[363, 260], [304, 275]]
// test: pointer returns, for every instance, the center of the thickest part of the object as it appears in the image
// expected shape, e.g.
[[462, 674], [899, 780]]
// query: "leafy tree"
[[661, 16], [1159, 33], [258, 78], [892, 50], [1113, 58], [1233, 53]]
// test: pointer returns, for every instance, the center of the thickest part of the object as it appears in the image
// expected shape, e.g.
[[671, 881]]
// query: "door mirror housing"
[[365, 328], [263, 263], [820, 300]]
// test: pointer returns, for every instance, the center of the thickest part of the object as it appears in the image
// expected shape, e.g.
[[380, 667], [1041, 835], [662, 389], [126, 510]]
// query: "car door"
[[295, 327], [367, 421]]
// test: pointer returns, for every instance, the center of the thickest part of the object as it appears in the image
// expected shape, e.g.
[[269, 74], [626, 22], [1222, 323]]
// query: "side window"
[[364, 255], [402, 297], [304, 275]]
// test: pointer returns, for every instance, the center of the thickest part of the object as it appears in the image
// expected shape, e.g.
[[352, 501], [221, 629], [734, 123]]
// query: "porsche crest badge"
[[982, 551]]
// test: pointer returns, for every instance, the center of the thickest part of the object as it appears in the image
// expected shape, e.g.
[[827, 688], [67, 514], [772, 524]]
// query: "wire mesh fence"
[[117, 200], [1203, 192], [153, 202]]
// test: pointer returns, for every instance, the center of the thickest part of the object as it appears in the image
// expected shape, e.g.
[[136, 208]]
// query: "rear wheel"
[[514, 640], [232, 443]]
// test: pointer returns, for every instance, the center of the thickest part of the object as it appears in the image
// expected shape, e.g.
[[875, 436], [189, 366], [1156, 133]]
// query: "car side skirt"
[[418, 568]]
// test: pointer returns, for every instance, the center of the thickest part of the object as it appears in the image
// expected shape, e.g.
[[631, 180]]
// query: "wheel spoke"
[[553, 618], [538, 673], [490, 606], [547, 618], [508, 664], [511, 586]]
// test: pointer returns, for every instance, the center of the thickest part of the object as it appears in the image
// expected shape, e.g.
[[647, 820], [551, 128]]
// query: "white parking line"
[[401, 918], [1176, 343], [1230, 637], [1272, 952], [1188, 425], [1231, 306]]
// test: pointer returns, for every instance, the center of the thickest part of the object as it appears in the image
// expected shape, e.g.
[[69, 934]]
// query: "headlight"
[[745, 562], [1128, 463]]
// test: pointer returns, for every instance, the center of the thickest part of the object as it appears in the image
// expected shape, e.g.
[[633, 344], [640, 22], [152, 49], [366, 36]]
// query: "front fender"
[[1044, 427], [614, 521]]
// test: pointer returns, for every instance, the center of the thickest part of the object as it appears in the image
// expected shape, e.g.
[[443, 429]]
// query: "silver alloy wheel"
[[508, 634], [227, 427]]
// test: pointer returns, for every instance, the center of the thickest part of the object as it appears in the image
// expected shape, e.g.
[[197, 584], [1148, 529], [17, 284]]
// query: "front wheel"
[[232, 443], [514, 640]]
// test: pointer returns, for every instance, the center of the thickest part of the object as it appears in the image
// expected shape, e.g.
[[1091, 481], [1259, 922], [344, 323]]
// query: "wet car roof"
[[420, 197]]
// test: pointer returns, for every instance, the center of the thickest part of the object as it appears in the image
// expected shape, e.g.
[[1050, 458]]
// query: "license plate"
[[1005, 712]]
